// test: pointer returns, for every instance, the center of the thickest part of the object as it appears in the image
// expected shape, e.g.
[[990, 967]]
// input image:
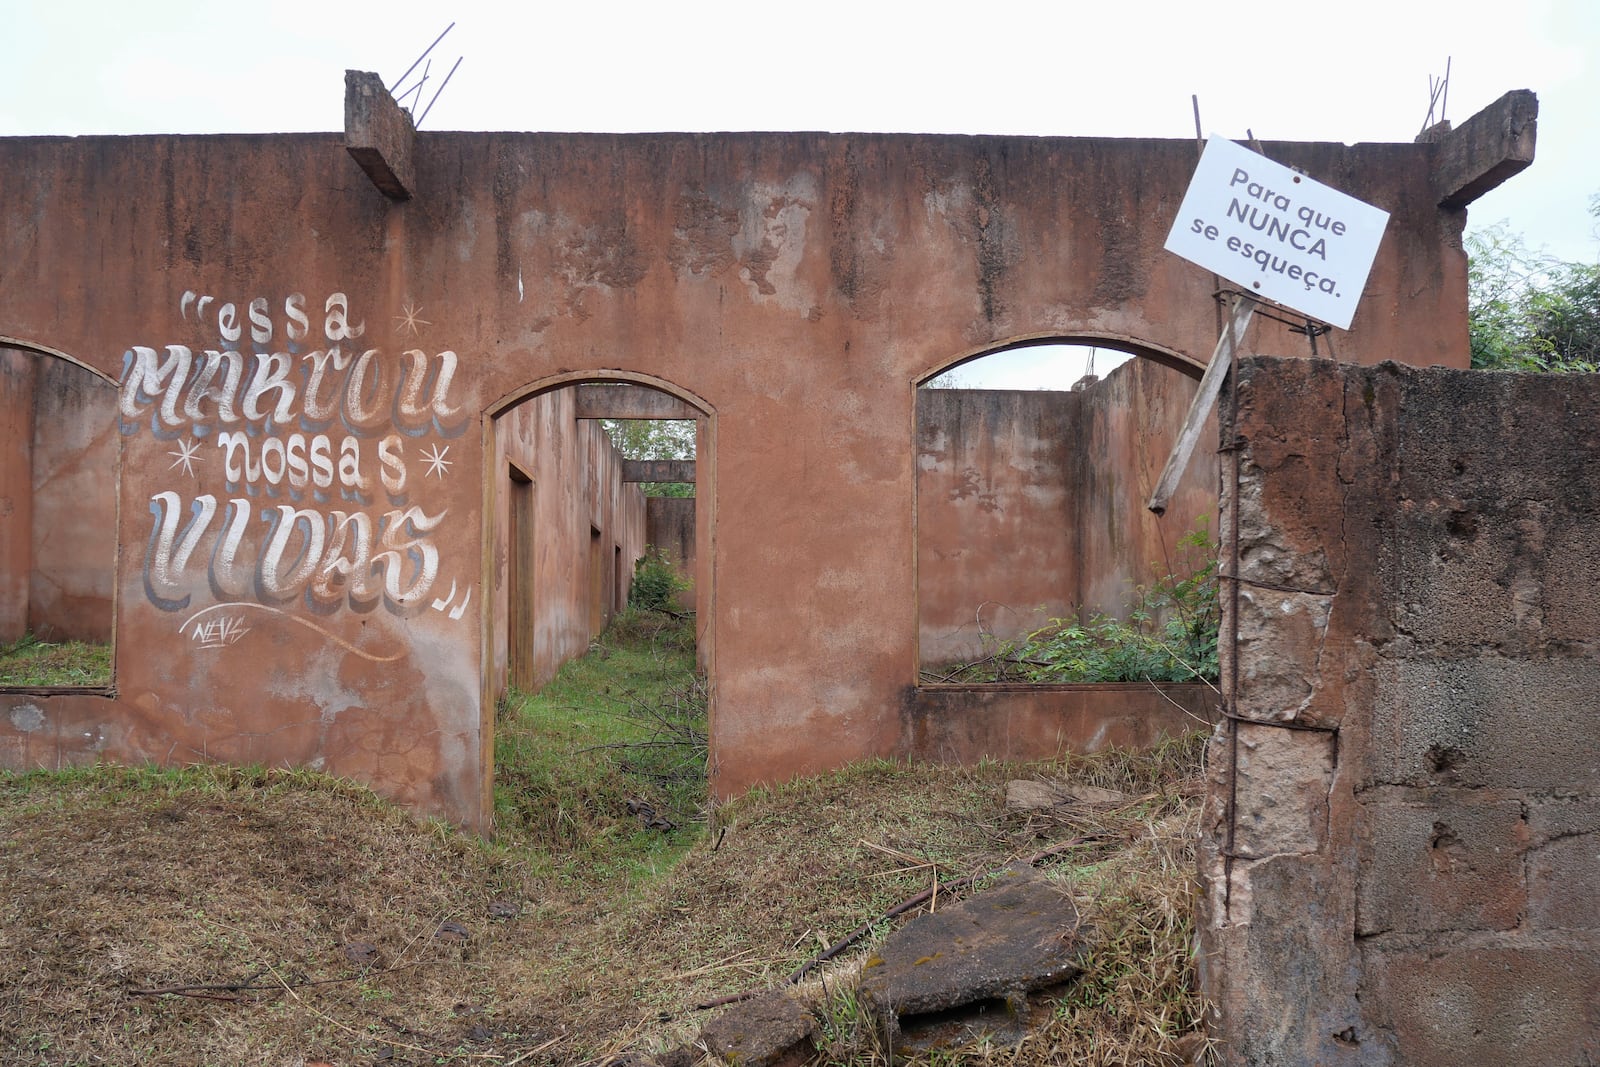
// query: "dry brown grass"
[[114, 882]]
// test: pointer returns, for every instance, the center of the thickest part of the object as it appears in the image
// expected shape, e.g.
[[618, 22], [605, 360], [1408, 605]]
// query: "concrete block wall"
[[1402, 851]]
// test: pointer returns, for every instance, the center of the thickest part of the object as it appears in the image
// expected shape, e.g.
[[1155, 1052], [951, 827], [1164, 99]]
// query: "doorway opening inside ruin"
[[1038, 562], [592, 474], [596, 657], [58, 521]]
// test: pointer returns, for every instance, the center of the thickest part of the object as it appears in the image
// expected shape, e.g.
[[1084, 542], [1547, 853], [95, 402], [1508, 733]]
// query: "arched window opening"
[[1037, 560], [58, 522]]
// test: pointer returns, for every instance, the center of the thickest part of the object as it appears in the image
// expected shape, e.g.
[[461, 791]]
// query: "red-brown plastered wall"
[[74, 503], [17, 376], [796, 284], [58, 505], [574, 474], [1032, 505], [670, 525]]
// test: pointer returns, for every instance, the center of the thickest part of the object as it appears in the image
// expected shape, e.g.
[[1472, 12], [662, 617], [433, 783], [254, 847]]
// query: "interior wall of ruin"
[[586, 527], [58, 499], [74, 503], [1031, 505], [1402, 840], [670, 529]]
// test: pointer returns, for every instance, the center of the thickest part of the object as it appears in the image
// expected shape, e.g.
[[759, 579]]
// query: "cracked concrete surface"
[[1401, 839]]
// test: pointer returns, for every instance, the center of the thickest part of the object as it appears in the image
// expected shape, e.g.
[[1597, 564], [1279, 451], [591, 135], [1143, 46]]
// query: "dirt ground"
[[221, 916]]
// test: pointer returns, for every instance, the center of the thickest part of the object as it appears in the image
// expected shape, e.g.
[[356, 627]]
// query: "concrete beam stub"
[[1487, 149], [628, 401], [379, 135], [658, 470]]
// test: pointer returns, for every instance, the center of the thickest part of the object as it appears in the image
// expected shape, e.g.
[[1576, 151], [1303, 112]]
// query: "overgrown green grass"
[[604, 769], [31, 661]]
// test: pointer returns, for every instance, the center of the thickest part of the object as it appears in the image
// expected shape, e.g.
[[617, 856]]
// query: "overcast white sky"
[[1351, 71]]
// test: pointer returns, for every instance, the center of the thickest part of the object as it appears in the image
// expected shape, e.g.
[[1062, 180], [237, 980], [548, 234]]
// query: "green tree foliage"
[[655, 439], [1528, 311]]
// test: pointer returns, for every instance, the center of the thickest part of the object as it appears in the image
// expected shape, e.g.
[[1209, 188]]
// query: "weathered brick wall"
[[1402, 851]]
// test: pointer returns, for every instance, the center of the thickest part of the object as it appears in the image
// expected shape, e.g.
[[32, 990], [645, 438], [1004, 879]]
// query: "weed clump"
[[1167, 633], [606, 765], [656, 583]]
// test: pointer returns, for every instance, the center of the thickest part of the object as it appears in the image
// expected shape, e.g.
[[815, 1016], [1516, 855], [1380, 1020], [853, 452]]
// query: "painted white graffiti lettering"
[[262, 391], [219, 632], [328, 559], [336, 325], [320, 434]]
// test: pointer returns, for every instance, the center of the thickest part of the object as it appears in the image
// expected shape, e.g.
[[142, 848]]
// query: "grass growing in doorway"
[[603, 770]]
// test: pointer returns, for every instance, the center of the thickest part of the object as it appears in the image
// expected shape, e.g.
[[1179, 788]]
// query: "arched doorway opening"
[[571, 514], [58, 520], [1034, 463]]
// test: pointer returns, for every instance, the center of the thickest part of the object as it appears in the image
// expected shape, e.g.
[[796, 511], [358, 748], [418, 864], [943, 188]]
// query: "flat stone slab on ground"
[[1032, 794], [1018, 936], [770, 1031]]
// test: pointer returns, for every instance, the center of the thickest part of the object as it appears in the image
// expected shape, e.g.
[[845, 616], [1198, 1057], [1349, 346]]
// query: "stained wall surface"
[[58, 499], [587, 528], [1031, 505], [311, 586], [1402, 842], [74, 503], [669, 528]]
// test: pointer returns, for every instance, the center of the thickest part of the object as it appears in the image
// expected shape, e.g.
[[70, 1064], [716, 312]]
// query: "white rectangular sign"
[[1276, 233]]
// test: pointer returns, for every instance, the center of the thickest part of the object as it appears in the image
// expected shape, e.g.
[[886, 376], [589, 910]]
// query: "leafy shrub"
[[656, 583], [1169, 634]]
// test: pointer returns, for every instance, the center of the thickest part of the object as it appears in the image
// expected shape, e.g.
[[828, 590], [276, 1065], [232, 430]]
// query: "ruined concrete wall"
[[669, 528], [17, 379], [1403, 832], [74, 504], [575, 477], [313, 591], [997, 517], [1131, 420], [1031, 504], [58, 501]]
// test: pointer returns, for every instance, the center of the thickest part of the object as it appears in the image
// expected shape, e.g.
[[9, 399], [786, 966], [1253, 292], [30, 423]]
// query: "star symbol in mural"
[[434, 458], [187, 453], [409, 320]]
